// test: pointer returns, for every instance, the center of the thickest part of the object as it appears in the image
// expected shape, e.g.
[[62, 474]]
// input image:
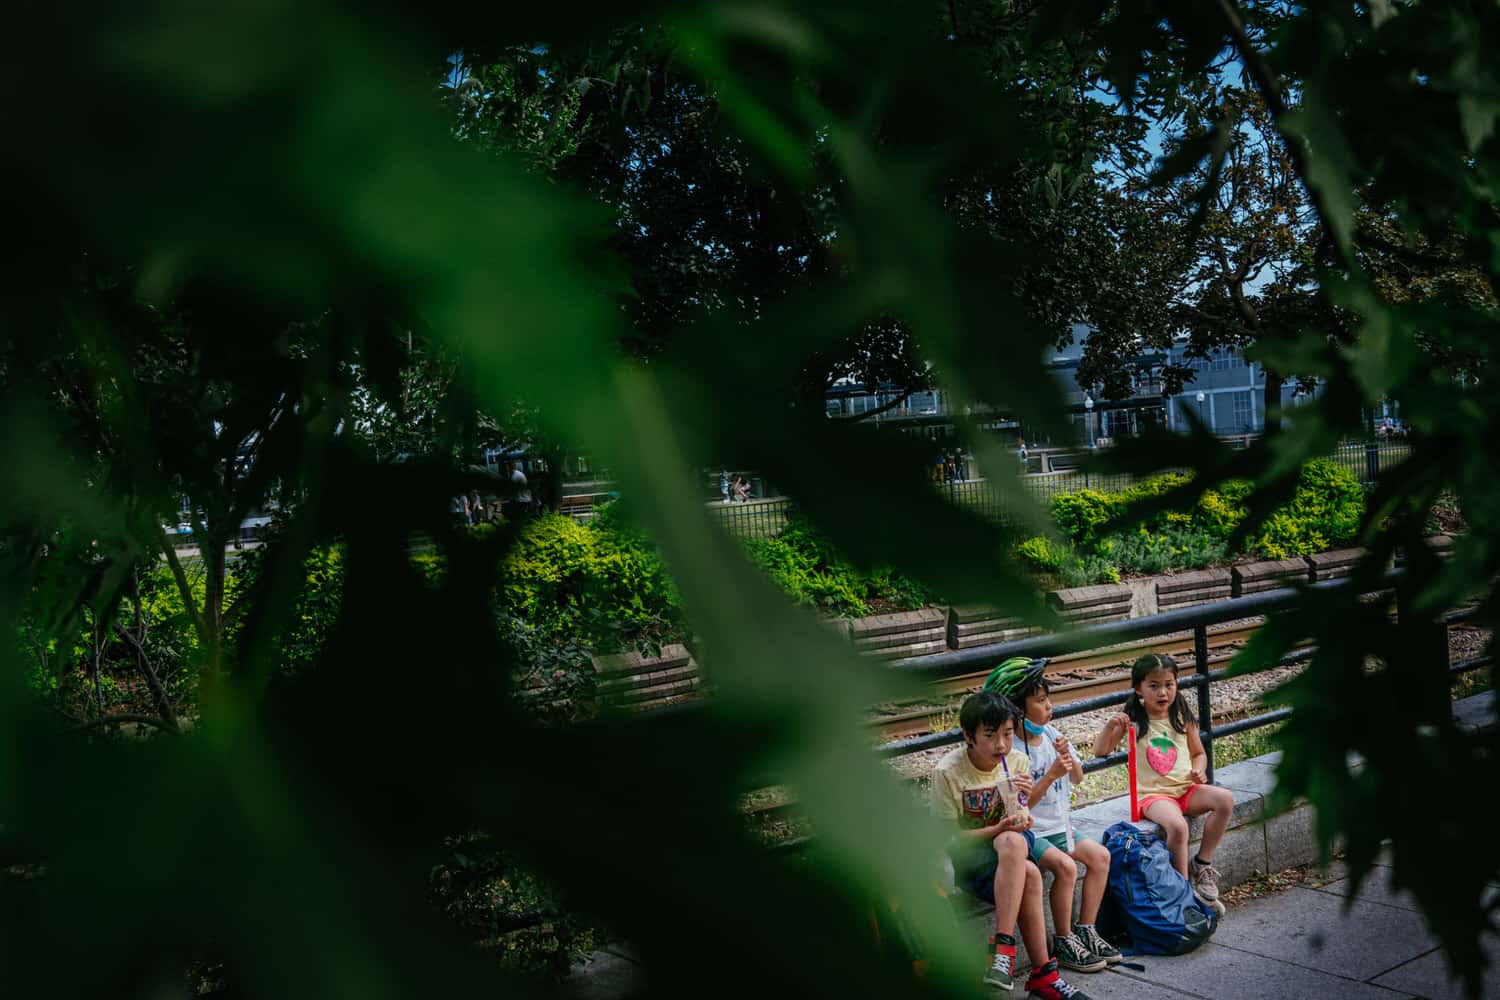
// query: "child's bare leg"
[[1166, 814], [1095, 856], [1033, 923], [1218, 803], [1010, 880], [1065, 876]]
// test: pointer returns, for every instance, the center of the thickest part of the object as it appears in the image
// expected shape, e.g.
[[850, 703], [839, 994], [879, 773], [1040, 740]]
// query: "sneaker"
[[1002, 972], [1046, 984], [1205, 880], [1094, 942], [1072, 953]]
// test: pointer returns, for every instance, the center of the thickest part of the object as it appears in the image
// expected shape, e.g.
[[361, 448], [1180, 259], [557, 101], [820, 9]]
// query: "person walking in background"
[[963, 465], [520, 502], [724, 485]]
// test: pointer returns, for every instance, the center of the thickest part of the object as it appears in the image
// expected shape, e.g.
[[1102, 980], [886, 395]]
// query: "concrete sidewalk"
[[1300, 942]]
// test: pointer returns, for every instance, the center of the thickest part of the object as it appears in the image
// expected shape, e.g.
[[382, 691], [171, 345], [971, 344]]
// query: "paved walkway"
[[1298, 942]]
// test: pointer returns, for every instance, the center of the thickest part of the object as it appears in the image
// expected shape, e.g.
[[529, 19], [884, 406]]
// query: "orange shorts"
[[1181, 800]]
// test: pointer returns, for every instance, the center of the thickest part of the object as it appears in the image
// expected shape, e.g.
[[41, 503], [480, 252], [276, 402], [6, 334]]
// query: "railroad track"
[[1073, 677]]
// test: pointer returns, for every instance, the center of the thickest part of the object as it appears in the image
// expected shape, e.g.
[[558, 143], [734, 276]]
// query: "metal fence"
[[754, 518], [766, 518], [1197, 619]]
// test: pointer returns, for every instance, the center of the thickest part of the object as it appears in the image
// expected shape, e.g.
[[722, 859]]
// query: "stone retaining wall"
[[980, 625], [901, 635], [1183, 590], [630, 680], [1333, 565], [1105, 602], [1253, 578]]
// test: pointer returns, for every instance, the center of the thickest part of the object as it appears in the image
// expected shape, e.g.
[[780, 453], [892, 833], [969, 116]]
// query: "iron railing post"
[[1205, 703], [1372, 461]]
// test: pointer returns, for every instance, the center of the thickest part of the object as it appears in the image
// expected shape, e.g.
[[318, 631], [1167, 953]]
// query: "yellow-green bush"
[[805, 565], [604, 575], [1324, 512]]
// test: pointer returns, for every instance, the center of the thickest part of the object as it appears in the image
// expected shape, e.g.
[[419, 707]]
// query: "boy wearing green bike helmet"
[[1055, 768]]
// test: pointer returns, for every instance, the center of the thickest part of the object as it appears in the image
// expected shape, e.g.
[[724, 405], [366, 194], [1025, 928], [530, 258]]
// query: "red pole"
[[1135, 806]]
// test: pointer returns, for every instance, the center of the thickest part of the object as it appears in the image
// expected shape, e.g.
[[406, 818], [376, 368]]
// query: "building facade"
[[1226, 394]]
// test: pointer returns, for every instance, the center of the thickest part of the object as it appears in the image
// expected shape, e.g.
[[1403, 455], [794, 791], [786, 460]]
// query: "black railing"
[[1197, 619]]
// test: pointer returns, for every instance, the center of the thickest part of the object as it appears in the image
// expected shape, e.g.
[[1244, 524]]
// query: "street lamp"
[[1088, 409], [1201, 397]]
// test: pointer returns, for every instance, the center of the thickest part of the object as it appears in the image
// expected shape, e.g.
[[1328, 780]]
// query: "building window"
[[1244, 414]]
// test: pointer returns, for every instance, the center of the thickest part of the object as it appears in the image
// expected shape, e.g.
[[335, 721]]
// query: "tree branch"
[[185, 588], [1269, 89], [153, 683]]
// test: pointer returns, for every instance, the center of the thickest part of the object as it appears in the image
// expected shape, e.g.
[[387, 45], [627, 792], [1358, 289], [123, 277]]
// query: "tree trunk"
[[554, 459], [213, 556], [1272, 398], [154, 686]]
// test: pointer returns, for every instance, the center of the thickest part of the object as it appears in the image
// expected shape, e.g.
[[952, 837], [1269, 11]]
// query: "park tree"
[[298, 160]]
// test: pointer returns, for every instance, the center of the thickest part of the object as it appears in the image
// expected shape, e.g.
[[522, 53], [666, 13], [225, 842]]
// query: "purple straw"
[[1020, 796]]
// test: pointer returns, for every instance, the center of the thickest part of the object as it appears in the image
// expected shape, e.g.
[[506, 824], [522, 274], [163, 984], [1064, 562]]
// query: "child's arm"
[[985, 834], [1058, 768], [1197, 755], [1075, 768], [1110, 736]]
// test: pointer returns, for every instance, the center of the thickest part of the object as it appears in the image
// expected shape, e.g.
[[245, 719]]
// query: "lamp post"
[[1201, 397], [1088, 410]]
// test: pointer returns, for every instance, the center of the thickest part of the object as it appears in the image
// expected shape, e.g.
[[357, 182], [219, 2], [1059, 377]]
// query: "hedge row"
[[1324, 512]]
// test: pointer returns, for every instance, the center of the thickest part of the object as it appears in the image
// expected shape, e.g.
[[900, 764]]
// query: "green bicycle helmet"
[[1014, 677]]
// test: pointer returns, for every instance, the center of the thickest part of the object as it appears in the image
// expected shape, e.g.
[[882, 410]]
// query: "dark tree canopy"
[[649, 231]]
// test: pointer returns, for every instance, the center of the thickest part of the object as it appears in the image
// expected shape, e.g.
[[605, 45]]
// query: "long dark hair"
[[1180, 714]]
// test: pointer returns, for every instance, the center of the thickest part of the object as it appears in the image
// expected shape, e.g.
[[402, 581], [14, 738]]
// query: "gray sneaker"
[[1205, 880], [1094, 942], [1071, 953], [1002, 973]]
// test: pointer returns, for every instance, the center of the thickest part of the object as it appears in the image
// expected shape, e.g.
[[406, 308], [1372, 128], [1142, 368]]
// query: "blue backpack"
[[1151, 900]]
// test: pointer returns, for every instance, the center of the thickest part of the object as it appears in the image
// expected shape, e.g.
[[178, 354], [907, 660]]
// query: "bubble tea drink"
[[997, 804]]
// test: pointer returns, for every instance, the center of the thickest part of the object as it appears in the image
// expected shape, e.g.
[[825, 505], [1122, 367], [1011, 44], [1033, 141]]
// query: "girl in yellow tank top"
[[1171, 769]]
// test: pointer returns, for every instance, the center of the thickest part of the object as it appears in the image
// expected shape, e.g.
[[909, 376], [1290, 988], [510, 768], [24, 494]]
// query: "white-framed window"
[[1244, 411]]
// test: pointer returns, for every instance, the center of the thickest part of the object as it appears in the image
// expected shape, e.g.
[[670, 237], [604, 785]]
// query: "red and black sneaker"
[[1001, 973], [1045, 984]]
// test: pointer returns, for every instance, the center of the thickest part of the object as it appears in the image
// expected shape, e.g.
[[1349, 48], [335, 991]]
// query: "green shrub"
[[1324, 512], [547, 568], [834, 587], [1043, 554], [1079, 516], [806, 566], [602, 583], [1220, 511], [1172, 546]]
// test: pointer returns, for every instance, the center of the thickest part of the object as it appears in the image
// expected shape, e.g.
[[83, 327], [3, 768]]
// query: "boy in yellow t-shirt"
[[981, 787]]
